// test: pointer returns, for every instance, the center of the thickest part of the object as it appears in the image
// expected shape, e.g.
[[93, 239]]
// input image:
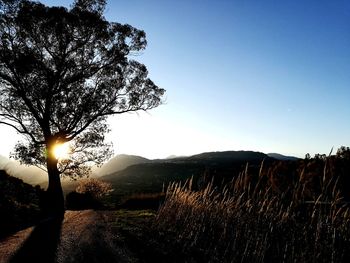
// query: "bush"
[[79, 201], [143, 201], [94, 187], [88, 194]]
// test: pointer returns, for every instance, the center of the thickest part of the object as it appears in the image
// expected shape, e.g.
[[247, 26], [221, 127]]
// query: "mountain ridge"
[[282, 157], [155, 174], [120, 162]]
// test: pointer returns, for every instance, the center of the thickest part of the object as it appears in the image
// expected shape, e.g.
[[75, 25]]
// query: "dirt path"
[[82, 236]]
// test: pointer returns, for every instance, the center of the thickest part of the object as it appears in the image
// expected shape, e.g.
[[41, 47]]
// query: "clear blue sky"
[[270, 76]]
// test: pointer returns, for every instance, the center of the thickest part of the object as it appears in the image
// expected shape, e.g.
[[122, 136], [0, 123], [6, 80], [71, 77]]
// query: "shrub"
[[88, 194], [143, 201], [79, 201], [94, 187]]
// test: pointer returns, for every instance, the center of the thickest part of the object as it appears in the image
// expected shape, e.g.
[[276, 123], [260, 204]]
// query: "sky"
[[269, 76]]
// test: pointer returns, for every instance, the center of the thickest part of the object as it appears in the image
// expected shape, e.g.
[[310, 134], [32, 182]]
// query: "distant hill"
[[173, 156], [153, 175], [150, 177], [282, 157], [120, 162], [130, 173], [29, 174], [235, 156]]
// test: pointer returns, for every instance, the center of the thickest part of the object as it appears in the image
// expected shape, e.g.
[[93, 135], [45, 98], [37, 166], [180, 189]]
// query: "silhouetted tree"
[[62, 73], [343, 152], [307, 156]]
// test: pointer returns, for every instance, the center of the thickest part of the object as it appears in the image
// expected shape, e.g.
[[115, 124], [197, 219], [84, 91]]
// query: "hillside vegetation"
[[154, 176], [19, 204]]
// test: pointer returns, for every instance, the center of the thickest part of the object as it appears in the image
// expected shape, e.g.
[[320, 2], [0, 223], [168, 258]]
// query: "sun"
[[61, 150]]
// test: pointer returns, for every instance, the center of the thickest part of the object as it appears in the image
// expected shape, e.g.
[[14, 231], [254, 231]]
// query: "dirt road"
[[82, 236]]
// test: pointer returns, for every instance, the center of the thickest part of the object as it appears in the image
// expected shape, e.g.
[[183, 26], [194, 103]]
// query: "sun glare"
[[61, 150]]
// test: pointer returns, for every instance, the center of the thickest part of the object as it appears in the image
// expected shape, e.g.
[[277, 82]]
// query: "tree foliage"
[[94, 187], [62, 73]]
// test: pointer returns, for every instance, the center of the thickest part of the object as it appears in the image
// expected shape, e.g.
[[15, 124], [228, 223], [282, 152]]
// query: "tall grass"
[[247, 220]]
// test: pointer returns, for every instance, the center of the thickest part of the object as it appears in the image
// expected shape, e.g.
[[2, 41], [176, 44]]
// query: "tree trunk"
[[54, 205]]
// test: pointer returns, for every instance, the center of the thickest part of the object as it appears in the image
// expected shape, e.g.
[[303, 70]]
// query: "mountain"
[[29, 174], [171, 156], [153, 175], [282, 157], [114, 165], [120, 162], [150, 177], [247, 156]]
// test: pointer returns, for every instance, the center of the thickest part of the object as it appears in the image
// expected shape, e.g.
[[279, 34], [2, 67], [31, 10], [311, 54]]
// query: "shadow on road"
[[41, 245]]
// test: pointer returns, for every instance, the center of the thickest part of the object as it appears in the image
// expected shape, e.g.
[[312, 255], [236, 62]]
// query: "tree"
[[343, 153], [94, 187], [62, 73]]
